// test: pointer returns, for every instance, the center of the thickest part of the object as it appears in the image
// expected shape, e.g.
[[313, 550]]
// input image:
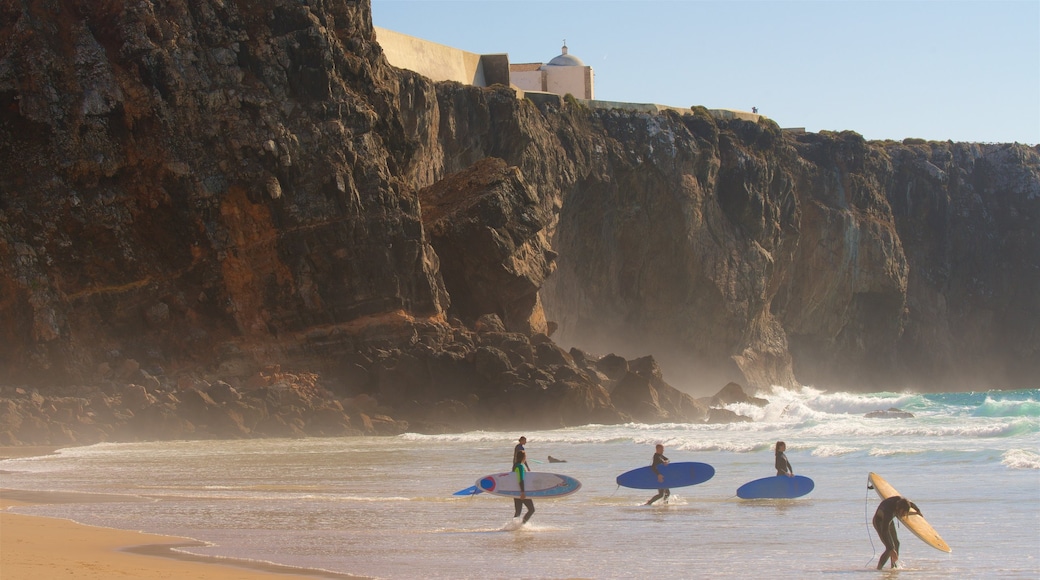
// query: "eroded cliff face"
[[183, 175], [219, 186], [228, 219], [735, 252], [969, 218]]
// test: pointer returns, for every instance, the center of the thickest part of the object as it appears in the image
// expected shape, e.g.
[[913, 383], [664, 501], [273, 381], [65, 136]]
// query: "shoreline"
[[21, 451], [28, 544]]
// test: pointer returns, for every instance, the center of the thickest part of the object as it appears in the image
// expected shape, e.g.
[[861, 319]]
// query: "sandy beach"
[[37, 547]]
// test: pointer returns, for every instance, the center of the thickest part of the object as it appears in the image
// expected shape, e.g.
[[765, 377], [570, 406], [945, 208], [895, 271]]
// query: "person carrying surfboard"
[[659, 459], [888, 510], [518, 450], [783, 466], [519, 467]]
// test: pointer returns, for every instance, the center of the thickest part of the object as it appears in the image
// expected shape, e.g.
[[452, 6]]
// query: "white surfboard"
[[536, 484], [913, 522]]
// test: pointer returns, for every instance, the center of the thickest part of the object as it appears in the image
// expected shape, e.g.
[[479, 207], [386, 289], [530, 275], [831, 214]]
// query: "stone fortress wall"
[[444, 63]]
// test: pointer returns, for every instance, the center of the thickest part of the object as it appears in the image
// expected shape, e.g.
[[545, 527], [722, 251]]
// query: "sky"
[[886, 69]]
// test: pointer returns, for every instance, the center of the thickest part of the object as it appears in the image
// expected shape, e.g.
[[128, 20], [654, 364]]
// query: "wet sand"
[[39, 547]]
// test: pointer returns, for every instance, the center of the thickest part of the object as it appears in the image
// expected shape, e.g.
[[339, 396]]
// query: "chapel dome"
[[565, 59]]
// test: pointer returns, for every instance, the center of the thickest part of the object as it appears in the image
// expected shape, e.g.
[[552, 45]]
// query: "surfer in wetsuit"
[[520, 468], [884, 522], [518, 450], [783, 466], [659, 459]]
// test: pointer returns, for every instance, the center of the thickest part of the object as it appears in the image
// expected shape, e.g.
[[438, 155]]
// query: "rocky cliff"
[[209, 188], [733, 251]]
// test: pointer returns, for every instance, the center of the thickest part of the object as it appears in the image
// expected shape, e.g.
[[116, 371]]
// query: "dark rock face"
[[486, 227], [734, 252], [969, 218], [169, 193], [210, 188]]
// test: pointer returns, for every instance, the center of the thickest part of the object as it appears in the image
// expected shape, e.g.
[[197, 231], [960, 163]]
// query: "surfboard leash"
[[866, 517]]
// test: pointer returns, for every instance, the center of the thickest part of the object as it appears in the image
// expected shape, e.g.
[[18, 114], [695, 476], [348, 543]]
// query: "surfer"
[[519, 467], [659, 459], [888, 510], [783, 466], [518, 450]]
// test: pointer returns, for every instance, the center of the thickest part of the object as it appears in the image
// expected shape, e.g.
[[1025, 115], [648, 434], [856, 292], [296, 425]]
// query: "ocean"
[[383, 506]]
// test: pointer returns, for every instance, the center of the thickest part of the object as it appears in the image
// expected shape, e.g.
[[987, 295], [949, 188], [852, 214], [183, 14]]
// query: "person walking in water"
[[518, 450], [519, 467], [783, 466], [659, 459], [884, 522]]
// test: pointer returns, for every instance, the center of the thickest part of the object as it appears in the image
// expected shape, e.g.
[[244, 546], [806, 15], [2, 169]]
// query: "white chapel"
[[563, 74]]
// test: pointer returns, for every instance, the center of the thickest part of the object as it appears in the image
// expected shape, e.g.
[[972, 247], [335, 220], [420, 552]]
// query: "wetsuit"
[[516, 454], [659, 459], [518, 503], [885, 524], [783, 466]]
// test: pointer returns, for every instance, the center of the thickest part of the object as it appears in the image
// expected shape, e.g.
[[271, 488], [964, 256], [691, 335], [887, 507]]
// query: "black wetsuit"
[[885, 524], [519, 468], [516, 454], [518, 503], [783, 466], [659, 459]]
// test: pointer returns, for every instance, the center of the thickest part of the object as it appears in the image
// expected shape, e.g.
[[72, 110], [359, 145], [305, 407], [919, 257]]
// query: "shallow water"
[[383, 506]]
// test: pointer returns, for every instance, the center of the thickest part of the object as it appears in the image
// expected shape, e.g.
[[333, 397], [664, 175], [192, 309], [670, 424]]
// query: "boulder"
[[636, 396], [222, 392], [890, 413], [613, 366], [644, 394], [549, 354], [734, 393], [489, 323], [136, 397], [491, 363], [725, 416], [486, 226], [581, 403]]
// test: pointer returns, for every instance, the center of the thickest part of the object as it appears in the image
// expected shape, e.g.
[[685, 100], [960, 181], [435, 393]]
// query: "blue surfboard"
[[675, 475], [776, 487], [471, 490]]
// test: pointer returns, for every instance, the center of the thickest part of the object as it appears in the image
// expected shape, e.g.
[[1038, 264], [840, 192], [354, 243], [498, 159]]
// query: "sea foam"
[[1021, 459]]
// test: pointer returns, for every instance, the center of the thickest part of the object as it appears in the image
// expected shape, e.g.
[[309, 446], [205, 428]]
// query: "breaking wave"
[[1021, 459]]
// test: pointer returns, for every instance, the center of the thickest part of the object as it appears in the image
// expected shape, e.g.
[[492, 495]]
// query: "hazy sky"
[[887, 69]]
